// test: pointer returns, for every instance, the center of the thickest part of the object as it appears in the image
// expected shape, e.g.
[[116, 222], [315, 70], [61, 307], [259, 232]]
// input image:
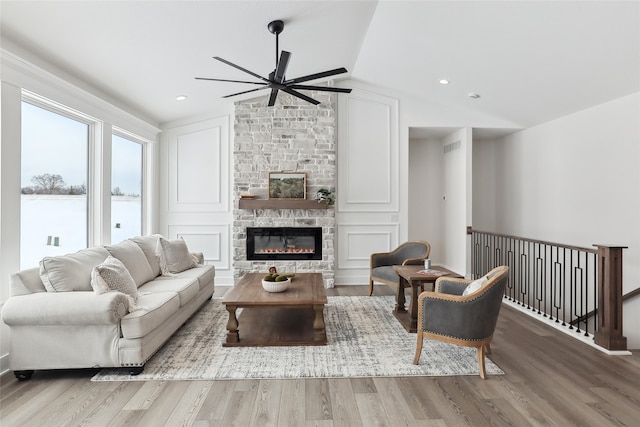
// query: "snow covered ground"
[[65, 217]]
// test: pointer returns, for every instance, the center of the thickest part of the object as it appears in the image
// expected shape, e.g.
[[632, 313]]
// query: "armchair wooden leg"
[[416, 358], [487, 349], [483, 373], [370, 287]]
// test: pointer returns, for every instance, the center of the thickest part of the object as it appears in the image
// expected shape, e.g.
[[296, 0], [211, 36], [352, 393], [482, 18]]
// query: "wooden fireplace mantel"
[[280, 204]]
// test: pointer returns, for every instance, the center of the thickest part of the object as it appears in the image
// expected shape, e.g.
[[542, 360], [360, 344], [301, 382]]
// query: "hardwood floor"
[[549, 379]]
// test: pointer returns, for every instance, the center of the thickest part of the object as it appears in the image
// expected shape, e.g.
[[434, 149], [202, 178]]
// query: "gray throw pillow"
[[174, 256]]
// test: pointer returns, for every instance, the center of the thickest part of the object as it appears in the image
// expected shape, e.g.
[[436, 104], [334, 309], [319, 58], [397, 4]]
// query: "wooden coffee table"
[[410, 277], [292, 317]]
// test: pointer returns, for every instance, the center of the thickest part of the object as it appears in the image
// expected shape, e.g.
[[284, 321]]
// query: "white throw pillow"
[[112, 275], [134, 260], [474, 286], [149, 245], [71, 272], [174, 256]]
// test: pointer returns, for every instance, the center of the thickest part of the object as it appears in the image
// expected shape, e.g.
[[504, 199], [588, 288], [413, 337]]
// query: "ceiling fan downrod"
[[276, 27]]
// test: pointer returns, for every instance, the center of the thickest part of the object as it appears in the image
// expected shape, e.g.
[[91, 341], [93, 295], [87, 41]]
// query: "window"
[[126, 188], [54, 171]]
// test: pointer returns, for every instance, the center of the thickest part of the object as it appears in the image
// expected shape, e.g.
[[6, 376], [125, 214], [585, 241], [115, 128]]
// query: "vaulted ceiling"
[[530, 61]]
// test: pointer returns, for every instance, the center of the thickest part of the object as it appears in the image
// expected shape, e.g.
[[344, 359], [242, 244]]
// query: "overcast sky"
[[54, 144]]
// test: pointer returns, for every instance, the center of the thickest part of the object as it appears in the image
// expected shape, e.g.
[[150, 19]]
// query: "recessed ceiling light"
[[181, 97], [444, 81], [473, 95]]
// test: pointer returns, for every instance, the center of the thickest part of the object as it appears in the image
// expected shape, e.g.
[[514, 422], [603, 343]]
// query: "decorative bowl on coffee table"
[[276, 286]]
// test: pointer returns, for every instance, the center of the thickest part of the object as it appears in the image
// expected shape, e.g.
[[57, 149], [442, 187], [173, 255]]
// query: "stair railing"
[[578, 288]]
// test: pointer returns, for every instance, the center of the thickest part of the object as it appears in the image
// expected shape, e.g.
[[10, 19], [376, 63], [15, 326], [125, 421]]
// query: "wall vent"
[[452, 146]]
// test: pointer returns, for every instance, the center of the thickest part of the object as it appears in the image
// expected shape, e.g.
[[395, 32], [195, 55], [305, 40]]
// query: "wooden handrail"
[[625, 297], [631, 294], [542, 242]]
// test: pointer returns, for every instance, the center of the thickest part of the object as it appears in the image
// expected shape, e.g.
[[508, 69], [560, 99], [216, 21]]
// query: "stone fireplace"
[[292, 136]]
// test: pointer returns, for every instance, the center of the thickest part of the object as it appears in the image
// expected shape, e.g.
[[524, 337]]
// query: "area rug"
[[364, 340]]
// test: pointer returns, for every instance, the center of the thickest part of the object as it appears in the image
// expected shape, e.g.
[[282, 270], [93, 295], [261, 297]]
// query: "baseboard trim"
[[580, 337]]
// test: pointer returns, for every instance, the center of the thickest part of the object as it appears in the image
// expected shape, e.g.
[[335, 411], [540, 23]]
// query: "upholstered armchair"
[[462, 312], [381, 263]]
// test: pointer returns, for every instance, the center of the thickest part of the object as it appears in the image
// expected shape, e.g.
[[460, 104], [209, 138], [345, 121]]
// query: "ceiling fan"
[[277, 81]]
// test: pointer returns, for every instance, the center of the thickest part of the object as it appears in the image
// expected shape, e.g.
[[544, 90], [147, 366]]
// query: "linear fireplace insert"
[[284, 243]]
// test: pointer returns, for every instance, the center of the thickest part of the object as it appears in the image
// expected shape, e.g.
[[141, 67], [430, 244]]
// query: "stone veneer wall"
[[291, 136]]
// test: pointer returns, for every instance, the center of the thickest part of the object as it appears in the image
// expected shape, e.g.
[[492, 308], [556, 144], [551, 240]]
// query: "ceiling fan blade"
[[246, 91], [283, 63], [316, 76], [272, 98], [231, 81], [240, 68], [321, 88], [300, 95]]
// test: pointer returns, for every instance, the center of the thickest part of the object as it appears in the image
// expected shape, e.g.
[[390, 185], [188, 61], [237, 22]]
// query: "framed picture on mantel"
[[288, 185]]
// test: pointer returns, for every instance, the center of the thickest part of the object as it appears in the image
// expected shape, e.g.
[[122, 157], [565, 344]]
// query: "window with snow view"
[[126, 188], [54, 174]]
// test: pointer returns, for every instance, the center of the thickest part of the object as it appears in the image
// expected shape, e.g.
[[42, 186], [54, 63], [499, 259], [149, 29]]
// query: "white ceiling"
[[531, 61]]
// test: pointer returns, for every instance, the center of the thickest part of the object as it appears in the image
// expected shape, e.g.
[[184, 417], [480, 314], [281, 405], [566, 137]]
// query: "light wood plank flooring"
[[550, 380]]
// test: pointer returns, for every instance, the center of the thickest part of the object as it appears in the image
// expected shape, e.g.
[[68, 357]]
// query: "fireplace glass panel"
[[284, 243]]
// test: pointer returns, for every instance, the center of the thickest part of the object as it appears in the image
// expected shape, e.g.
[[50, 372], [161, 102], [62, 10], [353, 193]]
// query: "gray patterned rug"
[[365, 340]]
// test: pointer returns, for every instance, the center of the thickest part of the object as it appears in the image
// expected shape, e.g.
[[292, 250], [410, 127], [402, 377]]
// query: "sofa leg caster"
[[136, 370], [23, 375]]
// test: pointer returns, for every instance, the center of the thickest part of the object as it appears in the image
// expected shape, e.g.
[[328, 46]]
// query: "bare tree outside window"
[[48, 184]]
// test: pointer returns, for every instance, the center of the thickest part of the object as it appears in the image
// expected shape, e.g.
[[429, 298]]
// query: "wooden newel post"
[[609, 333]]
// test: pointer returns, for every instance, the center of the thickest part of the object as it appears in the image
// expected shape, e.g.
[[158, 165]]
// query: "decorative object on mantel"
[[247, 196], [277, 81], [325, 196], [288, 185]]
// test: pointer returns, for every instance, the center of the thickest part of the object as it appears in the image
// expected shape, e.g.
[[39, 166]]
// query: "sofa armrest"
[[65, 308]]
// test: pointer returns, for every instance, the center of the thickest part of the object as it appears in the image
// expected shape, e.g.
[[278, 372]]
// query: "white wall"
[[426, 182], [440, 196], [574, 180], [457, 199], [382, 226], [195, 190]]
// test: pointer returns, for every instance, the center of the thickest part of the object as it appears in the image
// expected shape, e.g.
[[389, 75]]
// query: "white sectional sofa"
[[58, 321]]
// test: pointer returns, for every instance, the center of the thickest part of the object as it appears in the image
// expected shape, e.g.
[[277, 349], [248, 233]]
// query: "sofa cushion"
[[134, 259], [112, 275], [71, 272], [204, 273], [187, 287], [174, 256], [149, 244], [159, 307]]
